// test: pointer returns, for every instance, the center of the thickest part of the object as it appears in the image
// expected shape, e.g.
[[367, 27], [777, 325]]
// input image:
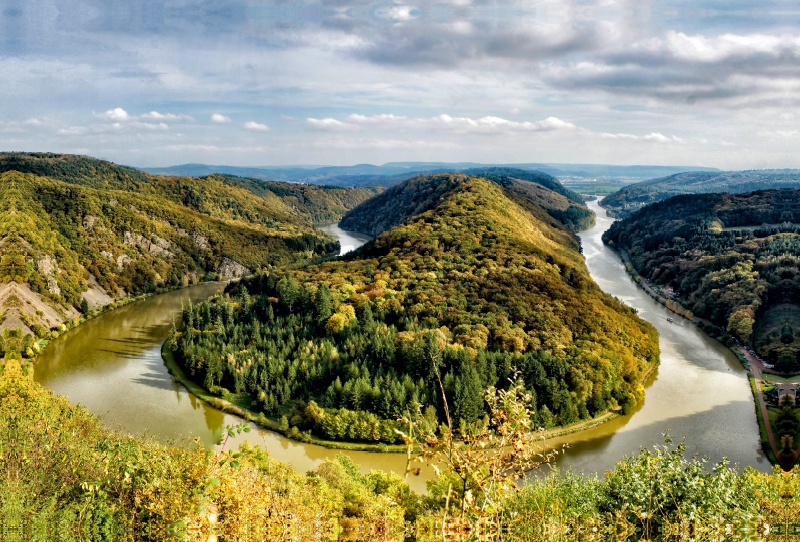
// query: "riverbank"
[[72, 323], [259, 418], [750, 363]]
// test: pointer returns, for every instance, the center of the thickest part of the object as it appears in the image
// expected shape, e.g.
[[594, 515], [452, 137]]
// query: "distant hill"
[[633, 197], [77, 233], [417, 195], [393, 173]]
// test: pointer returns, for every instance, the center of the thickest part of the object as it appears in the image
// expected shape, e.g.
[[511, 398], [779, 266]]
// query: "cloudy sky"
[[272, 82]]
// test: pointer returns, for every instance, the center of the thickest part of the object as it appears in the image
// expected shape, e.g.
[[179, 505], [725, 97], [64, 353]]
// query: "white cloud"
[[700, 48], [330, 124], [443, 122], [397, 13], [255, 126], [152, 126], [661, 138], [116, 115], [220, 118], [165, 117]]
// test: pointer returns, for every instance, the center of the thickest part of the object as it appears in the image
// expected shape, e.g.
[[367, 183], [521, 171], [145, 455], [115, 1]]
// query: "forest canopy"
[[417, 195], [76, 233]]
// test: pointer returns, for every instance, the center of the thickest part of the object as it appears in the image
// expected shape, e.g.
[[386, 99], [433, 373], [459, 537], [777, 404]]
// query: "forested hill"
[[629, 199], [502, 175], [317, 203], [67, 249], [78, 233], [220, 196], [419, 194], [732, 259], [472, 284]]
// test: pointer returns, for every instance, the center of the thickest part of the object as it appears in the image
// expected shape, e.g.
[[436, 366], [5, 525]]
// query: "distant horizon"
[[392, 163]]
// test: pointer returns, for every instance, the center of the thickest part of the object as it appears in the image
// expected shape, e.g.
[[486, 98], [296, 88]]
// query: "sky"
[[275, 82]]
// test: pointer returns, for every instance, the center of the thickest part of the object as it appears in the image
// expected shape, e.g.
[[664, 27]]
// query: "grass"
[[762, 428], [777, 378]]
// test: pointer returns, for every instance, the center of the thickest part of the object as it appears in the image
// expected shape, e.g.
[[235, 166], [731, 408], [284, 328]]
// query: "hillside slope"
[[62, 243], [732, 259], [78, 233], [219, 196], [629, 199], [472, 281], [417, 195]]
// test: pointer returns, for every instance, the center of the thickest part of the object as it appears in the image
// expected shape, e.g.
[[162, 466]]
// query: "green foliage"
[[731, 259], [316, 203], [545, 191], [478, 292], [65, 477]]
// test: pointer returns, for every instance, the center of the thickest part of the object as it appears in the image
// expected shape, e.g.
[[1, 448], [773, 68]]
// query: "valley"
[[467, 279], [699, 389], [729, 263]]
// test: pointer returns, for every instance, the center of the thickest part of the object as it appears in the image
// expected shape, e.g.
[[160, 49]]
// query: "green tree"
[[323, 304], [468, 399]]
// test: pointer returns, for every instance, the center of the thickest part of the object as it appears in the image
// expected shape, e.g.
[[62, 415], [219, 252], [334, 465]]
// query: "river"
[[700, 390], [349, 240], [112, 365]]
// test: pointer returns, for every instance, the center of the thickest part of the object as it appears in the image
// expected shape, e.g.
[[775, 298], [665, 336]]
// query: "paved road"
[[756, 367]]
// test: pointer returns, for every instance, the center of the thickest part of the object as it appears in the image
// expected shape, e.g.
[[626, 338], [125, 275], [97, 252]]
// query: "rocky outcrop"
[[121, 261], [199, 240], [230, 269], [88, 223], [155, 246], [47, 267], [16, 299]]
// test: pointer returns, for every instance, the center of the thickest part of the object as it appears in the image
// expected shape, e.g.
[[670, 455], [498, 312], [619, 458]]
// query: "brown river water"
[[112, 366]]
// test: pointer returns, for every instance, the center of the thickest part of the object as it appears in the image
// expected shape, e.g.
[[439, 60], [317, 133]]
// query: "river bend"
[[112, 365]]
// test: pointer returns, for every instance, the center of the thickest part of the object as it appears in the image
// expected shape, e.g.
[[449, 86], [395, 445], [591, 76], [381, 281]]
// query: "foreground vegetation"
[[341, 349], [731, 259], [64, 477]]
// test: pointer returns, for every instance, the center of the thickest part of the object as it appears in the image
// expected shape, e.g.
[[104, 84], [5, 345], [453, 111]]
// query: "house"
[[781, 389]]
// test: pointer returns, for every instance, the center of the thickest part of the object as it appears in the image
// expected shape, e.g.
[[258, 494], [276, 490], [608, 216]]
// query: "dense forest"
[[77, 233], [416, 196], [732, 259], [630, 198], [475, 282]]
